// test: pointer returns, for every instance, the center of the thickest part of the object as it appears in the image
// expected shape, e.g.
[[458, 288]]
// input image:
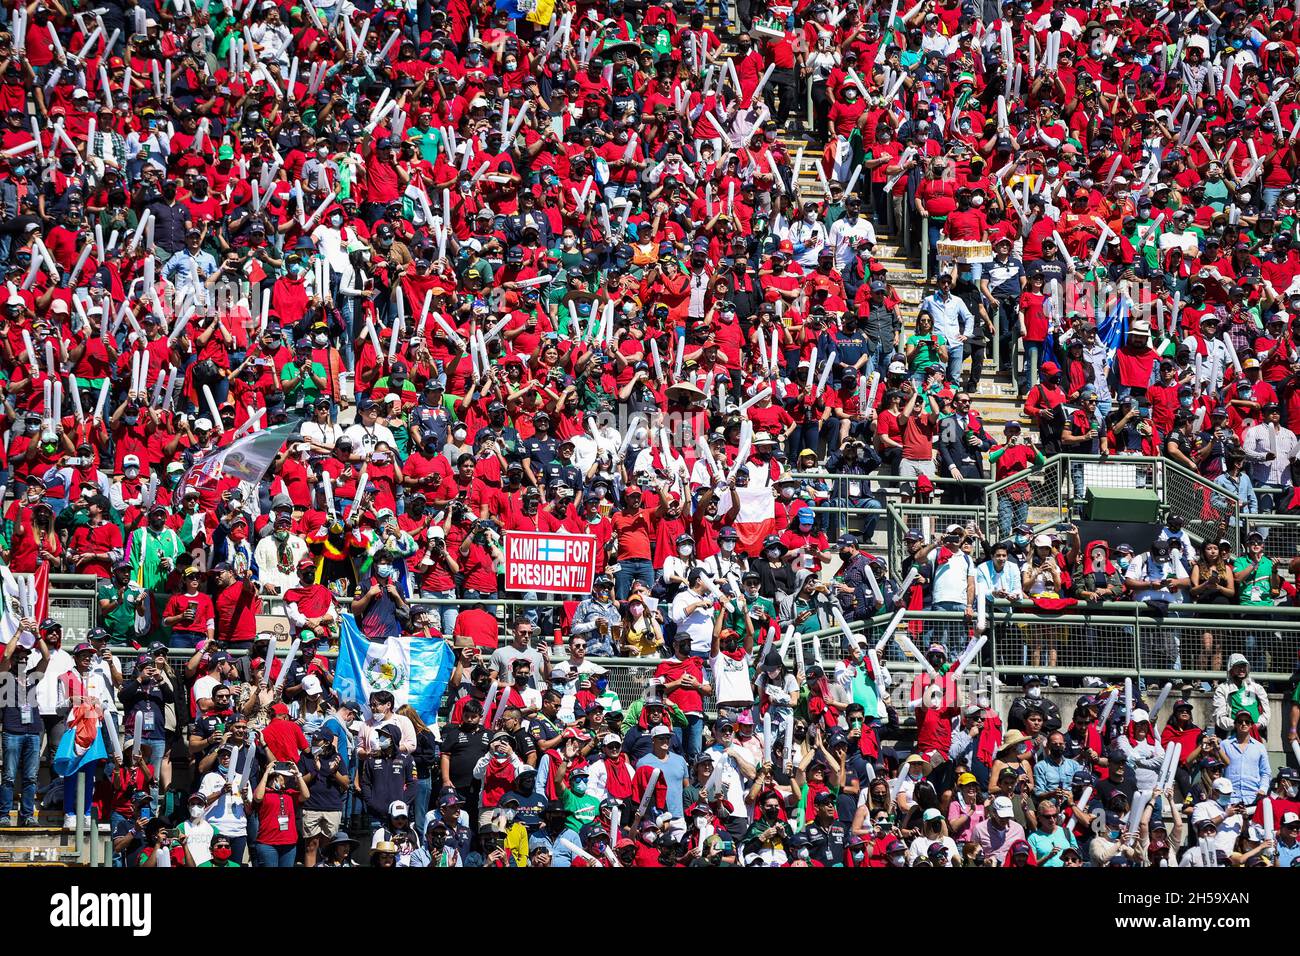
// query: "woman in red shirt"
[[277, 797], [190, 615]]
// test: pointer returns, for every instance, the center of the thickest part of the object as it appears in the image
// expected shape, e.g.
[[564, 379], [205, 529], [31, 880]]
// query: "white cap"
[[311, 685], [660, 731], [1223, 785], [1042, 541], [398, 808], [616, 739], [1290, 818], [130, 460], [15, 299], [1140, 715], [202, 424], [1002, 807], [437, 532], [58, 305]]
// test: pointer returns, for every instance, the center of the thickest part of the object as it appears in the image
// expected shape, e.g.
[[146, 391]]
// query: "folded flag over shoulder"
[[414, 670], [83, 743], [756, 518]]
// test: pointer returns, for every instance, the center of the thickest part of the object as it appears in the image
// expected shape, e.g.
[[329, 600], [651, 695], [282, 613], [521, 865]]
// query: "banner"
[[415, 670], [559, 563], [245, 459]]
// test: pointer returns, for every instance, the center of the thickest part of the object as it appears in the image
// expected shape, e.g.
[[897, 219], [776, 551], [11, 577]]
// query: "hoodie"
[[1093, 578], [1232, 696]]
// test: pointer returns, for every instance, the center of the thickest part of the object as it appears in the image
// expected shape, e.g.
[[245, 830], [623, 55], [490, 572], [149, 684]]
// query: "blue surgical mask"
[[579, 786]]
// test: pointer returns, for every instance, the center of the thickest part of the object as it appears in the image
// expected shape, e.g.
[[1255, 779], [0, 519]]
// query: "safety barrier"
[[1054, 492], [1281, 535]]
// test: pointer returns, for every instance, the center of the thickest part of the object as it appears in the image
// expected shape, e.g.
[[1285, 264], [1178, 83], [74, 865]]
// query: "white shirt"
[[845, 236], [951, 577], [47, 691], [365, 439], [698, 624], [1263, 439], [227, 814], [198, 839], [731, 682]]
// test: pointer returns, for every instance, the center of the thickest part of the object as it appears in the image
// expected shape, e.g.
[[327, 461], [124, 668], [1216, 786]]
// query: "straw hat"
[[1013, 738]]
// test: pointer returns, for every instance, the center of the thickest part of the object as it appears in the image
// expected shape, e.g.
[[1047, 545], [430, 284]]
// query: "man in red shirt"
[[282, 736], [237, 605], [684, 684], [632, 550], [918, 431]]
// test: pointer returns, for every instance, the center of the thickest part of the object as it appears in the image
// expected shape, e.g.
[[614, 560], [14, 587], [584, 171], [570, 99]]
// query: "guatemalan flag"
[[415, 670]]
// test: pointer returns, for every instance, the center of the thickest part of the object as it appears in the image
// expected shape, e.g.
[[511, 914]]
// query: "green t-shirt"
[[1256, 589], [306, 391], [120, 622], [927, 352], [580, 809]]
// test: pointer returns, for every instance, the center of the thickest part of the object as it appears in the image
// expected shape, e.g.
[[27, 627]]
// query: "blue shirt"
[[951, 317], [1247, 768], [673, 770], [1049, 776]]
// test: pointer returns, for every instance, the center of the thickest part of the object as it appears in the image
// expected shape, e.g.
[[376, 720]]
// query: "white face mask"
[[196, 813], [686, 551], [727, 546], [1034, 692]]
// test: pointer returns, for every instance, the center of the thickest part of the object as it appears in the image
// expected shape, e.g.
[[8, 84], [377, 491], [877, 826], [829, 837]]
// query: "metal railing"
[[1184, 641], [1054, 491], [926, 520], [1281, 534]]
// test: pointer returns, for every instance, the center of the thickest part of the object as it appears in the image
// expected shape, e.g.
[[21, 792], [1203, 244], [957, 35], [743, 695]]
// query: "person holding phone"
[[277, 797]]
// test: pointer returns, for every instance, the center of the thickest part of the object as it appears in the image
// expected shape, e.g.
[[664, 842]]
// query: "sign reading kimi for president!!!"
[[560, 563]]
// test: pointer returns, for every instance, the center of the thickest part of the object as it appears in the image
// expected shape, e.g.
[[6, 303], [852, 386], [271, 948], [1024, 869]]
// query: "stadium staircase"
[[47, 843]]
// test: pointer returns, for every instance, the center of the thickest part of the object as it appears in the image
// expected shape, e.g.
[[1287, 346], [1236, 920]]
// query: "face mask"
[[196, 813], [1034, 692], [977, 200], [686, 551], [897, 859], [384, 570], [727, 546], [1224, 799], [221, 853], [771, 813], [579, 787], [772, 554]]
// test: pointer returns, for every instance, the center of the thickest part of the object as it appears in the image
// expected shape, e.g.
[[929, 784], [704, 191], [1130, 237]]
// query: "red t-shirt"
[[633, 534], [237, 608], [277, 818], [203, 612], [918, 432], [284, 739]]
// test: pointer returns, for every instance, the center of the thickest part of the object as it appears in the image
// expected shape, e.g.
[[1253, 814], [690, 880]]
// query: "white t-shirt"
[[731, 782], [921, 846], [227, 814], [698, 624], [950, 578], [198, 839], [47, 691], [365, 439], [731, 684]]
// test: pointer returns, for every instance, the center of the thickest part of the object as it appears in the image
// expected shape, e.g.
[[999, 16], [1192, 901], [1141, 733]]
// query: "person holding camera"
[[277, 798]]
